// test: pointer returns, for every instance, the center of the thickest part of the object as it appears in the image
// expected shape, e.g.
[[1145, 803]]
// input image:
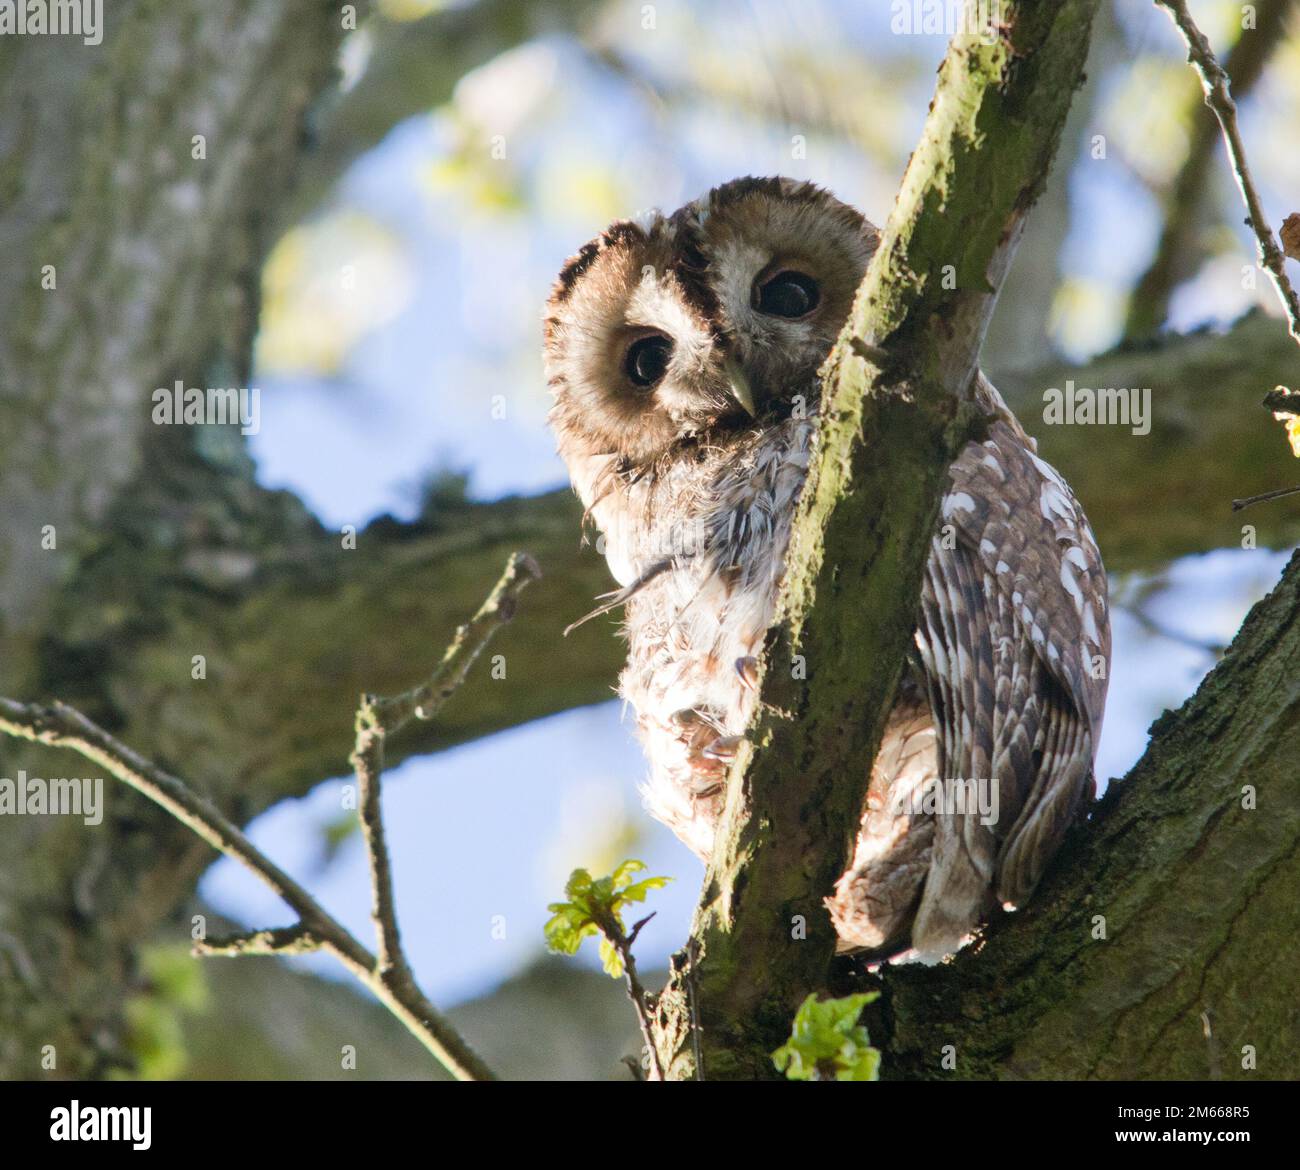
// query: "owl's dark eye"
[[787, 294], [647, 359]]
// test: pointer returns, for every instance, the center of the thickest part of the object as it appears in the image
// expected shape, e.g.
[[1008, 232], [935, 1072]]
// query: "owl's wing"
[[1013, 625]]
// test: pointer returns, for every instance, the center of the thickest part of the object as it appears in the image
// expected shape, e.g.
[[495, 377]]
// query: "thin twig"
[[393, 985], [641, 999], [1276, 494], [377, 718], [279, 940], [1218, 97], [1179, 252]]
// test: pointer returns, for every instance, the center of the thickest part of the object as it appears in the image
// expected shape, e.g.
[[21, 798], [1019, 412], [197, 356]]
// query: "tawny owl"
[[683, 352]]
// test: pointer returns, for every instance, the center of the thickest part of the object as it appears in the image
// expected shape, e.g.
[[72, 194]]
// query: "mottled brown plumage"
[[683, 355]]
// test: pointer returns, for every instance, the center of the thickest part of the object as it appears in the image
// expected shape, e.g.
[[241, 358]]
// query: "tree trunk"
[[141, 179]]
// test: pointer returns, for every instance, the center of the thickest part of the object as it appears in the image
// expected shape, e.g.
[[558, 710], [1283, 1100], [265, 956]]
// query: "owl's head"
[[681, 327]]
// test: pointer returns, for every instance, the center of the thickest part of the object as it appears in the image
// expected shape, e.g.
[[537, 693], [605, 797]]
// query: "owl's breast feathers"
[[1013, 647]]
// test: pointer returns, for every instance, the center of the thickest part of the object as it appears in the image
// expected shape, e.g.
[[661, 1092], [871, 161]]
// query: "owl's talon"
[[724, 748], [747, 669]]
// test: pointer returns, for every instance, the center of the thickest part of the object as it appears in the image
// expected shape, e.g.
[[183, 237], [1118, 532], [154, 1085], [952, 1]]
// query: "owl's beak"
[[740, 388]]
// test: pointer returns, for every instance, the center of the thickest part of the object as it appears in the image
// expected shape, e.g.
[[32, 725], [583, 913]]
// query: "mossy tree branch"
[[892, 422]]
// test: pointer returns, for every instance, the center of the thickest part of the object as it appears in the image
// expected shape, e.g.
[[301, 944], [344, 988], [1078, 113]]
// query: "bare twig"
[[642, 1001], [1277, 494], [378, 718], [279, 940], [1180, 251], [1218, 97], [392, 983], [62, 726]]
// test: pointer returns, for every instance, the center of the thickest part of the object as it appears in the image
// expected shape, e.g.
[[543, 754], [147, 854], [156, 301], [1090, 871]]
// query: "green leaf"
[[594, 907], [637, 892], [579, 884], [621, 875], [827, 1042], [611, 959], [567, 928]]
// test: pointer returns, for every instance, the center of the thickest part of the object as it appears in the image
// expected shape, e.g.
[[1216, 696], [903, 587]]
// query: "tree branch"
[[61, 726], [1179, 251], [377, 718], [1264, 497], [389, 977], [1218, 97], [891, 424], [279, 940]]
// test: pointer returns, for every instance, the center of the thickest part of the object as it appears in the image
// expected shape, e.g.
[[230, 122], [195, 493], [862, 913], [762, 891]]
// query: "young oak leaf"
[[610, 959], [828, 1044], [595, 906]]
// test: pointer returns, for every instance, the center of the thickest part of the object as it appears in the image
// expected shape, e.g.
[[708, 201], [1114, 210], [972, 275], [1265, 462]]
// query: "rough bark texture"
[[154, 254], [133, 263]]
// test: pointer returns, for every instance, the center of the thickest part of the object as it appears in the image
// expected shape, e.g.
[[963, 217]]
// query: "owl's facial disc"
[[686, 328], [634, 355], [784, 261]]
